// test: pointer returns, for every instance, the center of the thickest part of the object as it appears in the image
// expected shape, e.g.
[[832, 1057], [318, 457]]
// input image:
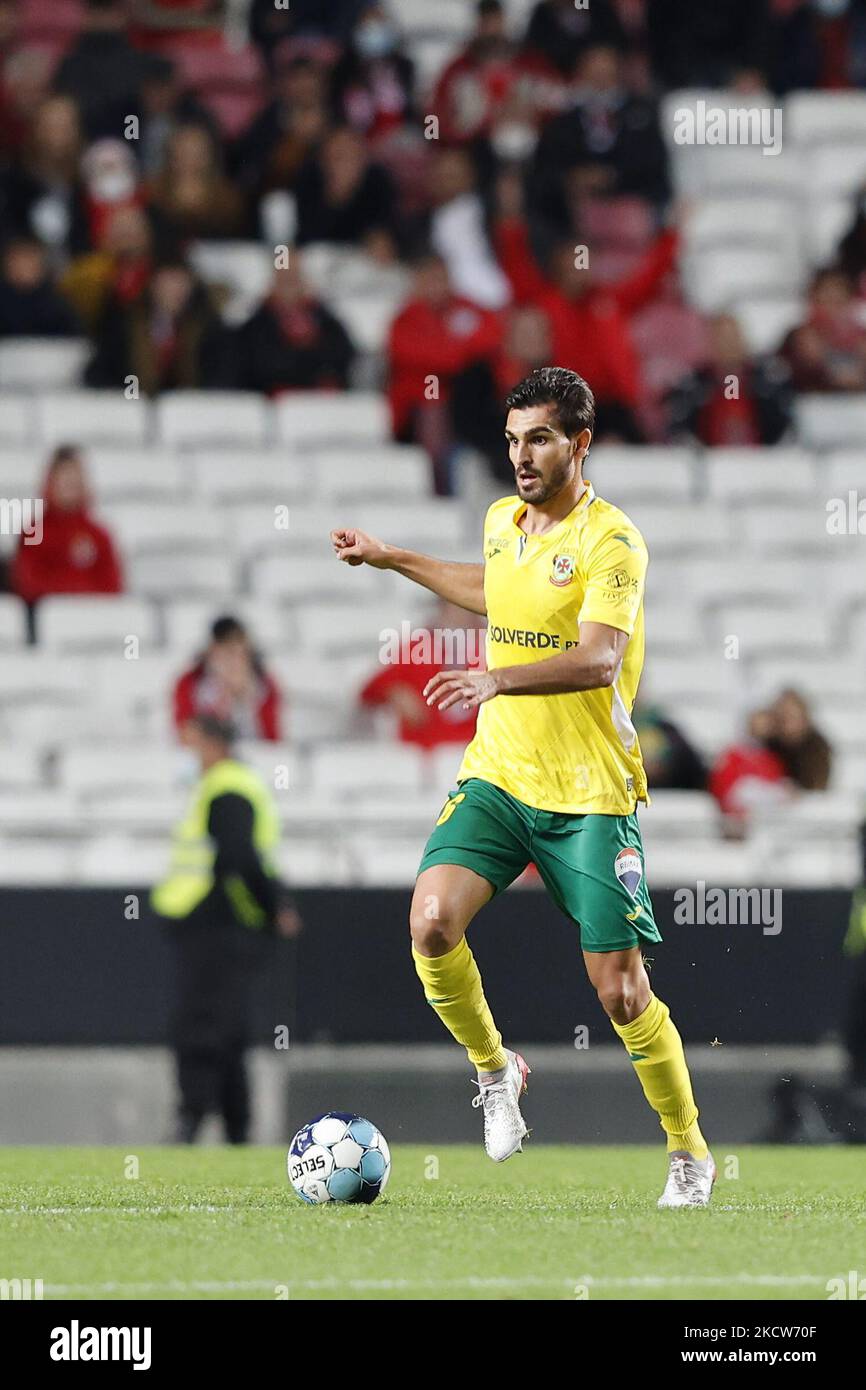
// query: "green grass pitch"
[[553, 1223]]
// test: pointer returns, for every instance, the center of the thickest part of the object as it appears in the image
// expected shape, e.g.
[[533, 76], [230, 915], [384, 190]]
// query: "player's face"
[[542, 456]]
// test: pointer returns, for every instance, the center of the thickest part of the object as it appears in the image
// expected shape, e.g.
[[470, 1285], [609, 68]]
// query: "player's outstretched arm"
[[457, 583]]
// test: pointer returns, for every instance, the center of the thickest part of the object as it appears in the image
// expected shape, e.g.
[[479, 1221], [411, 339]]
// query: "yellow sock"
[[656, 1048], [452, 986]]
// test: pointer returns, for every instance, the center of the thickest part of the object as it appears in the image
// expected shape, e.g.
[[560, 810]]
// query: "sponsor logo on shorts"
[[628, 869], [563, 570]]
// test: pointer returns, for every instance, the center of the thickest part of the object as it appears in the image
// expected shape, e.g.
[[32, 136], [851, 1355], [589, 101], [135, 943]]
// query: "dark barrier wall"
[[73, 969]]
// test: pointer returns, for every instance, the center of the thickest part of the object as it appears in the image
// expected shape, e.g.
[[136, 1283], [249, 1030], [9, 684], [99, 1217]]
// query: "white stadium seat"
[[750, 222], [314, 863], [17, 420], [825, 221], [773, 627], [187, 623], [766, 320], [332, 627], [817, 118], [22, 471], [143, 527], [91, 417], [244, 268], [238, 475], [100, 770], [739, 474], [842, 472], [213, 417], [318, 418], [384, 861], [20, 768], [831, 421], [94, 622], [702, 674], [621, 473], [697, 528], [168, 575], [718, 277], [282, 768], [391, 470], [42, 364], [434, 522], [28, 863], [118, 474], [345, 769], [833, 170], [13, 622], [787, 528]]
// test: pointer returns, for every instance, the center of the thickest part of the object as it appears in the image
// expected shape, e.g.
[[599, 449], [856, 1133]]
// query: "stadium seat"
[[437, 522], [825, 222], [738, 170], [740, 474], [842, 472], [672, 624], [94, 622], [213, 417], [13, 623], [818, 118], [383, 861], [243, 268], [766, 320], [785, 528], [305, 578], [39, 674], [673, 813], [831, 421], [282, 768], [144, 527], [749, 222], [20, 768], [849, 774], [833, 170], [42, 364], [367, 316], [709, 724], [333, 627], [316, 418], [718, 277], [621, 473], [90, 417], [25, 864], [239, 475], [21, 471], [314, 863], [773, 627], [44, 810], [697, 528], [100, 770], [156, 474], [345, 769], [118, 861], [167, 575], [187, 622], [680, 864], [17, 420], [807, 673], [392, 470], [815, 816], [702, 674]]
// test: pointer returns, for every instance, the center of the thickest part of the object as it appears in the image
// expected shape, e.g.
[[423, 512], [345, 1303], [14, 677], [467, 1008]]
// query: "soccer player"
[[554, 772]]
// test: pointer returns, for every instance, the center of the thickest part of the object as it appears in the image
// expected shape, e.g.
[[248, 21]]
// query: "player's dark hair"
[[573, 398], [219, 730], [225, 628]]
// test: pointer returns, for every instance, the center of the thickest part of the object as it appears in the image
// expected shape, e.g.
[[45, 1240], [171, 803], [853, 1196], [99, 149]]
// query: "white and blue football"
[[339, 1158]]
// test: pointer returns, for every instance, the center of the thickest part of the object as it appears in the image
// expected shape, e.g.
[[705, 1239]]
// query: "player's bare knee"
[[617, 997], [433, 935]]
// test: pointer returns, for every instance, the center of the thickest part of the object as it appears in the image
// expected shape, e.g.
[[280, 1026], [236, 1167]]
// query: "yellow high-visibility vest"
[[191, 870]]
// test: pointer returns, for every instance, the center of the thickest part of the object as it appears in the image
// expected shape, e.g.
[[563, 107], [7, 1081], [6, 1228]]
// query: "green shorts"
[[591, 865]]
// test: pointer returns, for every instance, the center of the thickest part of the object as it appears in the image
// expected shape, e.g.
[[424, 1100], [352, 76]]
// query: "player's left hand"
[[449, 688]]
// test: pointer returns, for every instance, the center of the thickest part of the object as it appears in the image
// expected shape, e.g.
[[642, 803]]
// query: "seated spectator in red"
[[589, 324], [192, 196], [170, 339], [230, 682], [342, 196], [749, 775], [117, 274], [609, 138], [292, 342], [488, 78], [76, 555], [803, 749], [30, 306], [436, 335], [372, 83], [733, 399], [828, 351], [400, 684]]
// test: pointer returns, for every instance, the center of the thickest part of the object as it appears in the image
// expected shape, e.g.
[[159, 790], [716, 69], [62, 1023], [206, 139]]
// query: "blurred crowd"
[[130, 130]]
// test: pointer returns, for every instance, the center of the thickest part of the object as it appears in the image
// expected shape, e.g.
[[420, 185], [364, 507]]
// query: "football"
[[339, 1157]]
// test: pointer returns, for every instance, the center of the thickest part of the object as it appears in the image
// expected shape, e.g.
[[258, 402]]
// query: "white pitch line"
[[117, 1211], [470, 1282]]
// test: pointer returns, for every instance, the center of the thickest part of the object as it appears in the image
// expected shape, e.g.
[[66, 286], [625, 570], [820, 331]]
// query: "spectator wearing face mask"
[[30, 306], [372, 84], [111, 183], [229, 681], [75, 554]]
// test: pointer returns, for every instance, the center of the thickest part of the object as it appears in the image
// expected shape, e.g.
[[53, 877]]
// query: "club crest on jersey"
[[563, 570], [628, 869]]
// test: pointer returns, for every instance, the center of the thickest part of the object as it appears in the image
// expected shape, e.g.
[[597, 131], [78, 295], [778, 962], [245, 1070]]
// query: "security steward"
[[222, 891]]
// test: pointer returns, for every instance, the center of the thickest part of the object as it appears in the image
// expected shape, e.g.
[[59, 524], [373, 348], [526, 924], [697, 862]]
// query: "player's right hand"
[[355, 547]]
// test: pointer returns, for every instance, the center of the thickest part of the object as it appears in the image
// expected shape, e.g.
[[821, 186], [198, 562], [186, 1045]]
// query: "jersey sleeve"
[[615, 577]]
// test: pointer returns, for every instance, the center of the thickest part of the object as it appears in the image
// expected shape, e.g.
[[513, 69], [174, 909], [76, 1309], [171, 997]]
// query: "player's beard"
[[538, 491]]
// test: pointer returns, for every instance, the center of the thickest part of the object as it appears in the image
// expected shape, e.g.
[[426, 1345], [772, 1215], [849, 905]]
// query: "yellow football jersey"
[[574, 753]]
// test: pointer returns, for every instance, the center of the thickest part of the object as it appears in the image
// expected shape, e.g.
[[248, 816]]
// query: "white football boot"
[[690, 1180], [504, 1129]]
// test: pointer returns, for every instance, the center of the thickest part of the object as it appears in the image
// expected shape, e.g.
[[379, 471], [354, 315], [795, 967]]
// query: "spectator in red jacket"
[[229, 681], [749, 775], [455, 641], [76, 555], [434, 337], [589, 323]]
